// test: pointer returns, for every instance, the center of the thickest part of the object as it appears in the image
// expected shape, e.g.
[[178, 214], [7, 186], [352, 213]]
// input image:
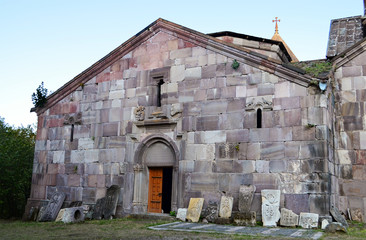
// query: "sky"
[[52, 41]]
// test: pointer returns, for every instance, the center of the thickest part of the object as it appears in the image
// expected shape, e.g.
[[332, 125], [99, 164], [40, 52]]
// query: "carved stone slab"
[[98, 209], [211, 212], [289, 218], [111, 201], [72, 215], [194, 209], [270, 207], [309, 220], [245, 218], [53, 207], [226, 207], [338, 216], [182, 214], [246, 194]]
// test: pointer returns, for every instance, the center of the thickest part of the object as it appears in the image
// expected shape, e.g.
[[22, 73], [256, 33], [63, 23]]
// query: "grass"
[[128, 228]]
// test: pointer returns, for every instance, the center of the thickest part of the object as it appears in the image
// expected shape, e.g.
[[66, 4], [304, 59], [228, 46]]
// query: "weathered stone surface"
[[338, 216], [226, 206], [182, 214], [60, 215], [288, 218], [297, 202], [211, 212], [245, 218], [334, 227], [194, 209], [98, 209], [309, 220], [53, 207], [325, 223], [111, 201], [270, 207], [246, 194], [356, 215], [72, 215]]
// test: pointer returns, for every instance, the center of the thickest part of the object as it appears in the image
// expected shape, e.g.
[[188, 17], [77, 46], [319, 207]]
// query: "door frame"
[[141, 173]]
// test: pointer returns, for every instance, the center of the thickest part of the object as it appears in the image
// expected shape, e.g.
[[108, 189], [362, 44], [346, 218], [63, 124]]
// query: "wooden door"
[[155, 189]]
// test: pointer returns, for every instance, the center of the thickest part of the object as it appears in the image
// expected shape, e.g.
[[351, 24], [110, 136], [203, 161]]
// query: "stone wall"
[[350, 169], [88, 141]]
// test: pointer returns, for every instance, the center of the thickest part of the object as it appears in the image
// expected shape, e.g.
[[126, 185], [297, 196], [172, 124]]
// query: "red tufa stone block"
[[133, 63], [73, 107], [73, 180], [92, 180], [56, 109], [361, 157], [55, 122], [116, 75], [52, 168], [228, 39], [103, 77], [189, 45]]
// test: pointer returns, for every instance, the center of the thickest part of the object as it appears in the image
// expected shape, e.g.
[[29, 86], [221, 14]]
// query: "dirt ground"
[[127, 229]]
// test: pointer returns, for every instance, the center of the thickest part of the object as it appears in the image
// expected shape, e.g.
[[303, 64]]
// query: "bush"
[[39, 98], [16, 163]]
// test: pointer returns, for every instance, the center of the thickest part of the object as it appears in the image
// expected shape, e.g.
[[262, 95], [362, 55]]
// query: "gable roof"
[[241, 54], [344, 33], [349, 54], [253, 38]]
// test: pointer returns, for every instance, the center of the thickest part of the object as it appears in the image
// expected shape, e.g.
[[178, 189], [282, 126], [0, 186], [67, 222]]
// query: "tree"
[[39, 98], [16, 163]]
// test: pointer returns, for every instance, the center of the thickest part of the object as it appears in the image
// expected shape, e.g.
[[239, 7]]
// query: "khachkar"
[[245, 217], [270, 207]]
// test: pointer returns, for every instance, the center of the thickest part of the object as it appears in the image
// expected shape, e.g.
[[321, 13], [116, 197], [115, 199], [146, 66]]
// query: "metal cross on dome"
[[276, 20]]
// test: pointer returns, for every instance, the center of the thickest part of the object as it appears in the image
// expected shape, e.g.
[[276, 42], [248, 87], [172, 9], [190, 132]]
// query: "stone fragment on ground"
[[309, 220], [288, 218], [334, 227], [338, 216], [182, 214]]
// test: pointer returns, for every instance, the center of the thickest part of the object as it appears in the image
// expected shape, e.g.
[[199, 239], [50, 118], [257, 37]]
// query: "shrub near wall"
[[16, 161]]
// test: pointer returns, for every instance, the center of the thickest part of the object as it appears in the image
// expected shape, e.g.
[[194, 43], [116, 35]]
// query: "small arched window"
[[259, 118], [160, 83]]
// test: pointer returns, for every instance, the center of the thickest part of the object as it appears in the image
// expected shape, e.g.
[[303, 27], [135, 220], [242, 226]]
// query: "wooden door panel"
[[155, 189]]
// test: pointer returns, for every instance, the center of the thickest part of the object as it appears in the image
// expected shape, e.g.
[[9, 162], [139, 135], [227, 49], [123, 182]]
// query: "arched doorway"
[[156, 175]]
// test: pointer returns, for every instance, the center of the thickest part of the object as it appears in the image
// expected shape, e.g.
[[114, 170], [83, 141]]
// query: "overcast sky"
[[53, 41]]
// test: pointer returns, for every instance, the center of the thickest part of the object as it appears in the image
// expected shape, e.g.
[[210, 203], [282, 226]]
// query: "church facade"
[[173, 114]]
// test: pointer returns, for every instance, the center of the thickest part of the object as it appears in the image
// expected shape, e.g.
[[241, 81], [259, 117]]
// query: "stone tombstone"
[[270, 207], [53, 207], [308, 220], [72, 215], [98, 209], [211, 213], [194, 209], [226, 206], [356, 215], [111, 200], [288, 218], [246, 194], [182, 214], [338, 216]]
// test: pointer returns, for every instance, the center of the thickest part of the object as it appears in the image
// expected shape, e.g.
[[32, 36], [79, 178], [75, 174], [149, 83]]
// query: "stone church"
[[173, 113]]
